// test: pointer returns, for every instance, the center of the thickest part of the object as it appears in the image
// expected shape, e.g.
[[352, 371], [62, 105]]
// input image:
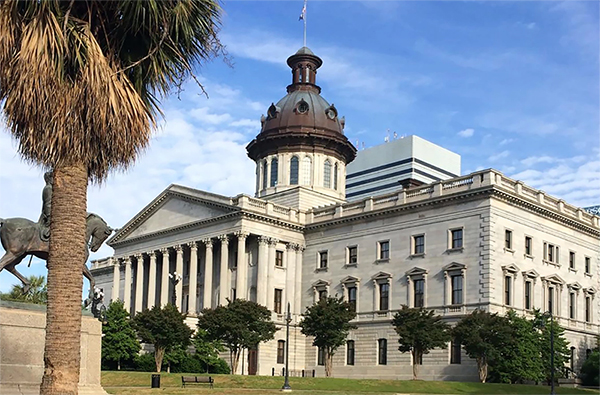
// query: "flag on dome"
[[303, 13]]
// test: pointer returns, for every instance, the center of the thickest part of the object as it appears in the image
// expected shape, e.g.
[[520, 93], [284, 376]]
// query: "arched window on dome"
[[327, 174], [294, 170], [335, 176], [274, 171], [265, 172], [306, 170]]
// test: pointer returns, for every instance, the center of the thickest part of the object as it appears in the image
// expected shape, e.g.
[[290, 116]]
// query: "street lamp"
[[549, 314], [175, 279], [288, 318]]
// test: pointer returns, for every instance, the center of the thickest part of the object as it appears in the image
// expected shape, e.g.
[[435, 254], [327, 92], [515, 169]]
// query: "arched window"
[[306, 170], [294, 167], [274, 168], [327, 174], [335, 177], [265, 172]]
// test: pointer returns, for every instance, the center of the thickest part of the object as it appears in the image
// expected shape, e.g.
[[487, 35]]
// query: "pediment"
[[350, 280], [416, 271], [590, 290], [531, 273], [175, 207], [321, 284], [553, 278], [574, 286], [381, 276], [511, 268], [455, 266]]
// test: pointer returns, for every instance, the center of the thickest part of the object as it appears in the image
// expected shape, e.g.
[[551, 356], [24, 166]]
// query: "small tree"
[[241, 324], [328, 321], [561, 346], [207, 351], [119, 340], [419, 331], [37, 292], [590, 370], [482, 335], [164, 328]]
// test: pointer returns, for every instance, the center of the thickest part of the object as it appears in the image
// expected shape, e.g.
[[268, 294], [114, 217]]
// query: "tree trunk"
[[159, 354], [483, 368], [416, 360], [328, 363], [235, 359], [119, 364], [65, 280]]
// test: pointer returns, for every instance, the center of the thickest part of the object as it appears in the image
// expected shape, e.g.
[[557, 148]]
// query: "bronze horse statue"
[[20, 237]]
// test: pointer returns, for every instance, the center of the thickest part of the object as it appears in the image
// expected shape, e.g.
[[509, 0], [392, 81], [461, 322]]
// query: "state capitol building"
[[396, 224]]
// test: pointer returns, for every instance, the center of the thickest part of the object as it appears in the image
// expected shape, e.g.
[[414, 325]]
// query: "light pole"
[[288, 318], [175, 279], [549, 313]]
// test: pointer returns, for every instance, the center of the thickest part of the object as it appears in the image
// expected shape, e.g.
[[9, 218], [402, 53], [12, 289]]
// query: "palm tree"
[[37, 292], [80, 84]]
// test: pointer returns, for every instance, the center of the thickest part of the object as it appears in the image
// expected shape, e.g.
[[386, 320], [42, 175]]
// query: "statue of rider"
[[44, 221]]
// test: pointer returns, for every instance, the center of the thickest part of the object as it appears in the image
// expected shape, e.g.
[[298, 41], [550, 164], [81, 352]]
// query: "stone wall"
[[22, 336]]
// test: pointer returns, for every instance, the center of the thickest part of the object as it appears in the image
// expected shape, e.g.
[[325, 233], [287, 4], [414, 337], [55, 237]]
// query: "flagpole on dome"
[[303, 18]]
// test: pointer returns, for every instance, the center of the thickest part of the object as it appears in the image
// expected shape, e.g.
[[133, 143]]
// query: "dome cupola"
[[299, 128]]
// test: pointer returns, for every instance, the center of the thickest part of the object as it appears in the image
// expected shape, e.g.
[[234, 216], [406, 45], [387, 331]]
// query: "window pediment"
[[417, 271], [511, 268], [454, 266], [590, 290], [381, 276], [574, 286], [321, 284], [554, 278], [530, 274], [350, 280]]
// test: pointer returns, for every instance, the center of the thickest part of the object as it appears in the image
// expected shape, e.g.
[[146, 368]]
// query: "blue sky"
[[508, 85]]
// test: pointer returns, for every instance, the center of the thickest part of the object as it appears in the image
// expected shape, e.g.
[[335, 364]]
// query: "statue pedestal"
[[22, 336]]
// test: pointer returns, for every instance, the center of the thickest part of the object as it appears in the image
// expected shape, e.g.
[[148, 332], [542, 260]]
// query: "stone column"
[[152, 279], [298, 280], [290, 266], [224, 271], [271, 274], [179, 270], [164, 278], [116, 279], [193, 283], [261, 277], [242, 267], [208, 274], [127, 289], [139, 282]]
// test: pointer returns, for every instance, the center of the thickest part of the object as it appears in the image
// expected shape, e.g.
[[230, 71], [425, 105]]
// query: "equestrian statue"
[[21, 237]]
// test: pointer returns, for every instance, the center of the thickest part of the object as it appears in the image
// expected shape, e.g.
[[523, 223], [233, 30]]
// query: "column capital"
[[164, 251], [151, 254], [300, 248], [241, 235], [178, 248], [273, 241], [126, 260], [224, 239], [139, 255], [193, 245], [263, 240], [291, 246], [208, 242]]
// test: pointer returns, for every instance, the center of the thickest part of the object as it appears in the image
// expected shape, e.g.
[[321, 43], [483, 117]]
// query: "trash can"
[[156, 381]]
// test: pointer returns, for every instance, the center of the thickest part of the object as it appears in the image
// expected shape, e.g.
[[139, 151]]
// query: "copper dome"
[[302, 120]]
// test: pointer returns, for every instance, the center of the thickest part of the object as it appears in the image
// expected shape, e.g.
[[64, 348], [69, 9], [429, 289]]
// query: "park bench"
[[197, 380]]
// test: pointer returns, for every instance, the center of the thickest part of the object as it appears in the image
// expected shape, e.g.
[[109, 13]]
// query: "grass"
[[138, 383]]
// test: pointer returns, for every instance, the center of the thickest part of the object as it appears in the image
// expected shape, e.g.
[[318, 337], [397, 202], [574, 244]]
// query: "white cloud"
[[466, 132], [500, 155], [506, 141], [204, 115]]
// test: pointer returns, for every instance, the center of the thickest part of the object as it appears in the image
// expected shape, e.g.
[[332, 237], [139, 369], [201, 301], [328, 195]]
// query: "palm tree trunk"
[[65, 280]]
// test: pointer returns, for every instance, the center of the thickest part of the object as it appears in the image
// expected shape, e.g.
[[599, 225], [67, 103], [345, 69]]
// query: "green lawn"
[[138, 383]]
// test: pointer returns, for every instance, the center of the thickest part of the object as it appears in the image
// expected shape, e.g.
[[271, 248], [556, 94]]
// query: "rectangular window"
[[419, 293], [418, 244], [279, 258], [384, 296], [551, 300], [352, 297], [384, 249], [350, 352], [382, 351], [551, 253], [322, 294], [528, 244], [588, 307], [528, 295], [278, 300], [457, 238], [571, 260], [508, 239], [587, 264], [352, 255], [572, 305], [454, 352], [457, 289], [281, 351], [507, 290], [233, 294], [321, 356], [323, 256]]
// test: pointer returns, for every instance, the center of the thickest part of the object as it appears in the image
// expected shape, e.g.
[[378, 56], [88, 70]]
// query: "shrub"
[[590, 369], [144, 363], [219, 366]]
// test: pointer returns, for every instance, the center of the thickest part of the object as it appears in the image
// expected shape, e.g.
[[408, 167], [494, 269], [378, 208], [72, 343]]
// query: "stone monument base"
[[22, 336]]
